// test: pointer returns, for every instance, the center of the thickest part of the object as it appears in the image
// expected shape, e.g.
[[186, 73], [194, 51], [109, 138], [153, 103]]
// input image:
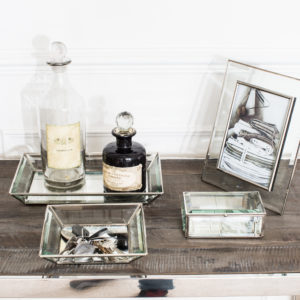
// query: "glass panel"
[[24, 177], [94, 214], [154, 176], [52, 229], [96, 260], [136, 233], [219, 226], [183, 217]]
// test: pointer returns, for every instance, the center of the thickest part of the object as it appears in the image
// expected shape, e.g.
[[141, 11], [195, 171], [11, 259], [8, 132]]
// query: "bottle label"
[[122, 179], [63, 146]]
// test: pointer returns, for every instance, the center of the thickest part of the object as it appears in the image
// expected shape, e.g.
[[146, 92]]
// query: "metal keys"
[[78, 241]]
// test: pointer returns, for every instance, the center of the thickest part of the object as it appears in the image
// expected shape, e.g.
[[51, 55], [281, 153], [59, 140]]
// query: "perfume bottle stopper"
[[124, 122]]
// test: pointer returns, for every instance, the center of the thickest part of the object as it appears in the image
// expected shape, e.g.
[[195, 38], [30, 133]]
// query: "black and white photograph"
[[255, 134]]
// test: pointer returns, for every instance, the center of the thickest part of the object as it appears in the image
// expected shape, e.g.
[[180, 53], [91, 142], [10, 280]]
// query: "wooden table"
[[190, 262]]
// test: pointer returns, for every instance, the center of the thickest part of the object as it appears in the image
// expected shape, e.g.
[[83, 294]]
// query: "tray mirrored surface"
[[28, 184]]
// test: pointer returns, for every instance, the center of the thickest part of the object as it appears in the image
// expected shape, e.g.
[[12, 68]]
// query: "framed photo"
[[255, 133], [254, 144]]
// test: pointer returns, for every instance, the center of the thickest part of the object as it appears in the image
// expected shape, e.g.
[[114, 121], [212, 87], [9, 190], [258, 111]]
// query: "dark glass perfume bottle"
[[124, 161]]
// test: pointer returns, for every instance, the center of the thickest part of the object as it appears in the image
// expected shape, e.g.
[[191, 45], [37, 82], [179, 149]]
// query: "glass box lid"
[[28, 184], [223, 203]]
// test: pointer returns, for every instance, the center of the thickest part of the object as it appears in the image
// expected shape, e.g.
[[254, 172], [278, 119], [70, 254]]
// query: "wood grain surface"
[[169, 252]]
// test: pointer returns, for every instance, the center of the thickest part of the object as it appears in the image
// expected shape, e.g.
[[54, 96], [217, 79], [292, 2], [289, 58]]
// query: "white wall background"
[[161, 60]]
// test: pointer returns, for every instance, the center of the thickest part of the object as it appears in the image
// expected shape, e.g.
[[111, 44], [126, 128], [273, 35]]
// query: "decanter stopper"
[[124, 122], [58, 54]]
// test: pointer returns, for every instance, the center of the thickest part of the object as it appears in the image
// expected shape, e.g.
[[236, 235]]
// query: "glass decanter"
[[62, 128], [124, 161]]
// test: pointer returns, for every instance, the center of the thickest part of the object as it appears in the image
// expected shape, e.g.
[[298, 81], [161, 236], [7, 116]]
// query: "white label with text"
[[122, 179], [63, 146]]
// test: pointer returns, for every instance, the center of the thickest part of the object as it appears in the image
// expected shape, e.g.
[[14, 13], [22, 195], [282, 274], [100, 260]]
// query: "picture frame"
[[254, 145], [274, 191]]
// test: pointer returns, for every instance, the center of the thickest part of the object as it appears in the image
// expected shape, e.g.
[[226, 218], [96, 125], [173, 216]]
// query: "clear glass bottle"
[[62, 128], [124, 161]]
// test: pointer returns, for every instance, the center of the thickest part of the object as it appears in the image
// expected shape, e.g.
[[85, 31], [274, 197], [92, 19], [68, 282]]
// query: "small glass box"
[[223, 214], [118, 219]]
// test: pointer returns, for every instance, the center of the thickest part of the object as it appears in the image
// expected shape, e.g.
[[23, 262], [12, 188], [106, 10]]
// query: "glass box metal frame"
[[28, 184], [223, 215], [119, 218], [276, 198]]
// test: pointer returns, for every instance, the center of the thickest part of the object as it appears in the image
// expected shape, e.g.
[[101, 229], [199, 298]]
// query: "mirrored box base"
[[126, 219], [29, 187], [223, 215]]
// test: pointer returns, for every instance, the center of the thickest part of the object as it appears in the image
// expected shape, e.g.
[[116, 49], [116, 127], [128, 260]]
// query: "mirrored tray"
[[28, 183]]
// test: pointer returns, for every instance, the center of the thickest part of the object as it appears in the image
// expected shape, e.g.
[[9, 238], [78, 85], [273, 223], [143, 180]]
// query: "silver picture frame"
[[276, 194], [286, 121]]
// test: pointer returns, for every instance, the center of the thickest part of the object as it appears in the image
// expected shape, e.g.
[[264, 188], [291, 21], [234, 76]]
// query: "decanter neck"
[[60, 75]]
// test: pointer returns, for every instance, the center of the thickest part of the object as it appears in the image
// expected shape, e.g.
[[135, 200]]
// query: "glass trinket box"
[[223, 214], [28, 184], [93, 233]]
